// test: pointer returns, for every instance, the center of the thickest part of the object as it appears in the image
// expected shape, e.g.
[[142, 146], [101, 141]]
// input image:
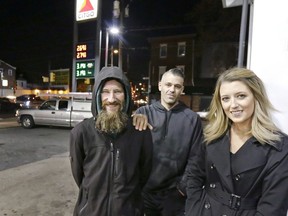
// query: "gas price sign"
[[85, 69], [85, 51]]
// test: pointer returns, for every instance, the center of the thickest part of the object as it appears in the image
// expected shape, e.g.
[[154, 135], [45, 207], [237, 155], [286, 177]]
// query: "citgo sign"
[[86, 9]]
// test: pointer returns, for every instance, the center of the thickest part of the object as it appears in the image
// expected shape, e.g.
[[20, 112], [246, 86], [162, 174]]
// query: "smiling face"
[[171, 87], [112, 96], [237, 102]]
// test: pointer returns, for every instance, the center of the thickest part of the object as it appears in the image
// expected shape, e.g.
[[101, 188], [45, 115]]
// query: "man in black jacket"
[[110, 159], [176, 133]]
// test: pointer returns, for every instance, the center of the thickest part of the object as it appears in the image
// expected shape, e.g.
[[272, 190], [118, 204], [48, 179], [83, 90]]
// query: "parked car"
[[55, 112], [6, 106], [29, 101]]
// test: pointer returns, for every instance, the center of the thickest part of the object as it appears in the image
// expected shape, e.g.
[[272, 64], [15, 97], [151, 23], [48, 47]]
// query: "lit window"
[[163, 50], [181, 49]]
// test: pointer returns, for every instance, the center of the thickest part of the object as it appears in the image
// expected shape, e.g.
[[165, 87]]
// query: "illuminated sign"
[[86, 9], [81, 51], [59, 77], [85, 69], [85, 51]]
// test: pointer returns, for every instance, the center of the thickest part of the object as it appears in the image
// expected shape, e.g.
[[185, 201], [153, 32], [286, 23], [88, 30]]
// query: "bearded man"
[[110, 159]]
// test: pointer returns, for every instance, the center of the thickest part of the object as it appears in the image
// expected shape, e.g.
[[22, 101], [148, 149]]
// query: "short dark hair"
[[175, 71]]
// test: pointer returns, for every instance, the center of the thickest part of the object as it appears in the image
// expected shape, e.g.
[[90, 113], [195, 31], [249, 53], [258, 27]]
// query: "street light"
[[114, 31]]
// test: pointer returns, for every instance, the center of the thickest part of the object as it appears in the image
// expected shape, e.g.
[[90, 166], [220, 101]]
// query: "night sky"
[[38, 35]]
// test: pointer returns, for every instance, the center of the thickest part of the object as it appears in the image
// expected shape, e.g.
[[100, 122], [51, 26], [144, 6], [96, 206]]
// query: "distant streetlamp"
[[113, 31]]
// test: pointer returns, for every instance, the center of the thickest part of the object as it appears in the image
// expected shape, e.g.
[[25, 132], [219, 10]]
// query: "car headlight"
[[27, 103]]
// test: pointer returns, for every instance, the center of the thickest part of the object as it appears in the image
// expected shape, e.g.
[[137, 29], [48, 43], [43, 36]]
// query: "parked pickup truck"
[[55, 112]]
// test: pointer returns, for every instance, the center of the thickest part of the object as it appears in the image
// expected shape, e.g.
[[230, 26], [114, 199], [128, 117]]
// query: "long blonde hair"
[[262, 128]]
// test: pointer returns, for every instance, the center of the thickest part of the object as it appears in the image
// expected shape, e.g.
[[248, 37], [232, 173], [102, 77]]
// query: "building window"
[[162, 70], [181, 49], [163, 50], [10, 73], [1, 73]]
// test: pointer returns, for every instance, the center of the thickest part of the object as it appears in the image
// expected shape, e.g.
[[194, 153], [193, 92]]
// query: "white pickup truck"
[[55, 112]]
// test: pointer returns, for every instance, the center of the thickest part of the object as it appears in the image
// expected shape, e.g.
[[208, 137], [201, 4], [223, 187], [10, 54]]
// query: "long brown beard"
[[111, 123]]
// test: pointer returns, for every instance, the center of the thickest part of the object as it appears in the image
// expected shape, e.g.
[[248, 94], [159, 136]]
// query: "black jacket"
[[252, 182], [110, 172], [176, 137]]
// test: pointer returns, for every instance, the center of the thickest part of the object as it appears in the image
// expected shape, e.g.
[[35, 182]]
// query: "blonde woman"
[[242, 168]]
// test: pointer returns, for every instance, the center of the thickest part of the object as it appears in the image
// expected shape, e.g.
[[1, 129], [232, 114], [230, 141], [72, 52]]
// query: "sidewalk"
[[43, 188], [8, 122]]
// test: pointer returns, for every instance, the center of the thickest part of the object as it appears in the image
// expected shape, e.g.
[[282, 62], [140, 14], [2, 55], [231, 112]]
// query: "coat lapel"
[[219, 155], [250, 156]]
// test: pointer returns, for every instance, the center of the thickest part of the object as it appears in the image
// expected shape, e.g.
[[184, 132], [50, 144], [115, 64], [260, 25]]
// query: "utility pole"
[[121, 27], [243, 30], [75, 40], [98, 38], [1, 76], [119, 11]]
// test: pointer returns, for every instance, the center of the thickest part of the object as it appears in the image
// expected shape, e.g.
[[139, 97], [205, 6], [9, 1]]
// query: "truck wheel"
[[27, 122]]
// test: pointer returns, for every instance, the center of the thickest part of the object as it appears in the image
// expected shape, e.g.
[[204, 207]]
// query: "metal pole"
[[251, 17], [193, 62], [106, 48], [120, 39], [112, 56], [98, 38], [75, 39], [242, 33], [120, 54], [1, 76]]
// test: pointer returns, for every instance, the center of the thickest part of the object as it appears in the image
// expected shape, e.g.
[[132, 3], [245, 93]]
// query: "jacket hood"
[[105, 74]]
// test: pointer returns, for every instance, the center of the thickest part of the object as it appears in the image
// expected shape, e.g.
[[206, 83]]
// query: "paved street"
[[43, 188], [35, 180]]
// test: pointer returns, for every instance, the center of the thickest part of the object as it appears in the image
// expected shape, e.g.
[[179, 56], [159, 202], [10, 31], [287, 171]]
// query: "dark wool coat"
[[251, 182], [110, 171]]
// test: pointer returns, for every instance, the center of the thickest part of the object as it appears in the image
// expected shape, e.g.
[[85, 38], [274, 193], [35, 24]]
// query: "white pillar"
[[268, 53]]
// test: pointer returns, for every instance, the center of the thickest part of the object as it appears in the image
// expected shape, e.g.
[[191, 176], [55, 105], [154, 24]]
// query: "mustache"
[[105, 103]]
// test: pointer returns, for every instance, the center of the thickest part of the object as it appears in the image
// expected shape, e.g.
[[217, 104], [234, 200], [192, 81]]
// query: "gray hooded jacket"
[[110, 173]]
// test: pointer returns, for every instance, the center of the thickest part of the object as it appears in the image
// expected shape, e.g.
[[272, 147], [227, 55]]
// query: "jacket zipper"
[[82, 209], [117, 163], [111, 179]]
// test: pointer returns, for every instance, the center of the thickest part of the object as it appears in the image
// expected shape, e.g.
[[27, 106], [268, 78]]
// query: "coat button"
[[212, 185], [207, 205], [212, 166], [237, 177]]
